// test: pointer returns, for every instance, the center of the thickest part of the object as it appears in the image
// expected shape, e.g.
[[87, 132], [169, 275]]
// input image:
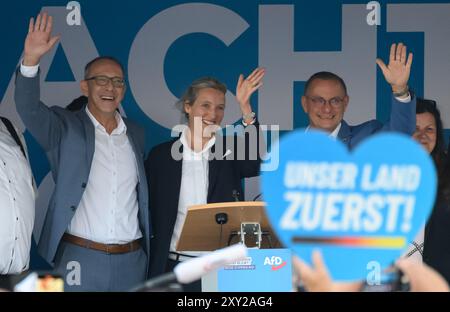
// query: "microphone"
[[191, 270], [257, 196], [221, 218], [236, 195]]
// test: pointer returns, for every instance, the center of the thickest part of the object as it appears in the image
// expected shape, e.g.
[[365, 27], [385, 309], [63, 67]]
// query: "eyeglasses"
[[318, 100], [117, 82]]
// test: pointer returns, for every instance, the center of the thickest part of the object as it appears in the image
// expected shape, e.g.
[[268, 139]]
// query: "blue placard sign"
[[360, 208]]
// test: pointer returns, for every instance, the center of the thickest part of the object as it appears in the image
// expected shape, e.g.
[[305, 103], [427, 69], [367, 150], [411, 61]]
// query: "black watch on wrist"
[[402, 93]]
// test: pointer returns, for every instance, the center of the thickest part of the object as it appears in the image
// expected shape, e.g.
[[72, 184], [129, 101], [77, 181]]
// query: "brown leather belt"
[[108, 248]]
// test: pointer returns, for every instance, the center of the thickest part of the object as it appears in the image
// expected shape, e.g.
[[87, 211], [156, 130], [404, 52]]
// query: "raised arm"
[[244, 90], [398, 70], [39, 39], [43, 123], [250, 166], [403, 102]]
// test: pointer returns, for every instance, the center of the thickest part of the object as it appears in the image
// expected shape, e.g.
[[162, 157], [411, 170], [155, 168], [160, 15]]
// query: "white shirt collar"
[[120, 129], [333, 134], [187, 149]]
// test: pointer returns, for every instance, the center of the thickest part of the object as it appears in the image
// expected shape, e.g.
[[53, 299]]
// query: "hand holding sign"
[[357, 208]]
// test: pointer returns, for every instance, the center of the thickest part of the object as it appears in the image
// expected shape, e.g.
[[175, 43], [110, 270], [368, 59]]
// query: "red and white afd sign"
[[274, 261]]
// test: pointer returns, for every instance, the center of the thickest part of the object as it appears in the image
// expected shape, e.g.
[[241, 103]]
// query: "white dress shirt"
[[17, 197], [194, 183], [29, 71], [333, 134], [108, 210]]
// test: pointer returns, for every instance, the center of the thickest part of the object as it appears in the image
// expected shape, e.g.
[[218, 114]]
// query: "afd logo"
[[276, 262]]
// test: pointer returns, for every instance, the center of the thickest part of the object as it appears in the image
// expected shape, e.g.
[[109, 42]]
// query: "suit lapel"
[[89, 131], [137, 151], [345, 134], [176, 167], [140, 168], [214, 168]]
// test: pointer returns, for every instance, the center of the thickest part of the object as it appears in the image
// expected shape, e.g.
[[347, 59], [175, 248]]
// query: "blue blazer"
[[402, 119], [68, 139]]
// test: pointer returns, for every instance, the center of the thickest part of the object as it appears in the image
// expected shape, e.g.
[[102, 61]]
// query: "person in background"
[[430, 134], [436, 252], [429, 131], [17, 200], [77, 104]]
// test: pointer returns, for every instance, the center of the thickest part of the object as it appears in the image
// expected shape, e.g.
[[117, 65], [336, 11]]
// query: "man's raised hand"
[[39, 40], [398, 70]]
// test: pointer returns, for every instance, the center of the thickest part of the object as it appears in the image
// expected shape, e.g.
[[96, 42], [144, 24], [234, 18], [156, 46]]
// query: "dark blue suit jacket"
[[402, 119]]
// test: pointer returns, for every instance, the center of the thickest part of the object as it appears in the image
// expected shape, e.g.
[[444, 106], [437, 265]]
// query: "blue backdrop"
[[164, 45]]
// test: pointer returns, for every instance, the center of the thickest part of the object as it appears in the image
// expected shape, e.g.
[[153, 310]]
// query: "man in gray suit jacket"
[[96, 231]]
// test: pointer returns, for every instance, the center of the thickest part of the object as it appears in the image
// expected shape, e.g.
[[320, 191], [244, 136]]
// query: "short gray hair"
[[88, 66], [191, 93]]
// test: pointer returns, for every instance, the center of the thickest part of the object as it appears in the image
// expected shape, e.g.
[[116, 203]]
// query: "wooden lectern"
[[201, 232]]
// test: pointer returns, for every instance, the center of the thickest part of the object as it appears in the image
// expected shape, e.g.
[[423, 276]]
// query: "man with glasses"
[[96, 231], [325, 100]]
